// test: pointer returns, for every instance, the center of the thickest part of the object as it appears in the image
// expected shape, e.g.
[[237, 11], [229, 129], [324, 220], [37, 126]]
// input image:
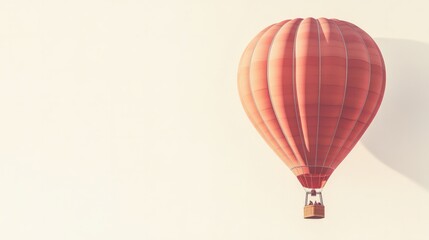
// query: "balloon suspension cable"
[[315, 195]]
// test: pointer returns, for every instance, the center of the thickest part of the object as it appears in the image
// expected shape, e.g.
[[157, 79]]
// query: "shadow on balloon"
[[399, 135]]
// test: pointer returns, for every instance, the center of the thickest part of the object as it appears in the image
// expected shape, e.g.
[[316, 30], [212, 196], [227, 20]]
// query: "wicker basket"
[[314, 211]]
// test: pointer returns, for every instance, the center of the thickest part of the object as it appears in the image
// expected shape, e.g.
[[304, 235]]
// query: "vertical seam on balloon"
[[318, 100], [295, 94], [269, 92], [253, 98], [344, 95], [366, 98], [380, 97]]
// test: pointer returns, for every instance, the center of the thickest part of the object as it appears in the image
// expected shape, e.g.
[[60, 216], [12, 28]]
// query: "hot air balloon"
[[311, 87]]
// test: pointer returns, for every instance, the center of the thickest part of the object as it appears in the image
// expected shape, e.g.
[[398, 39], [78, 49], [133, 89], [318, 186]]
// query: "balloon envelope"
[[311, 87]]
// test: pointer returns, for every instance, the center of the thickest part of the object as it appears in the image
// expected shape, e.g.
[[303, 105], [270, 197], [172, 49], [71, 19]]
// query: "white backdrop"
[[121, 120]]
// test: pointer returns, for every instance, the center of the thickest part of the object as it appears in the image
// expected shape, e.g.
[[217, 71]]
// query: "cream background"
[[121, 120]]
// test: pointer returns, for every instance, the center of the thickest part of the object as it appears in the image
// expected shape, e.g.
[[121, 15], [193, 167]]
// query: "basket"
[[314, 211]]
